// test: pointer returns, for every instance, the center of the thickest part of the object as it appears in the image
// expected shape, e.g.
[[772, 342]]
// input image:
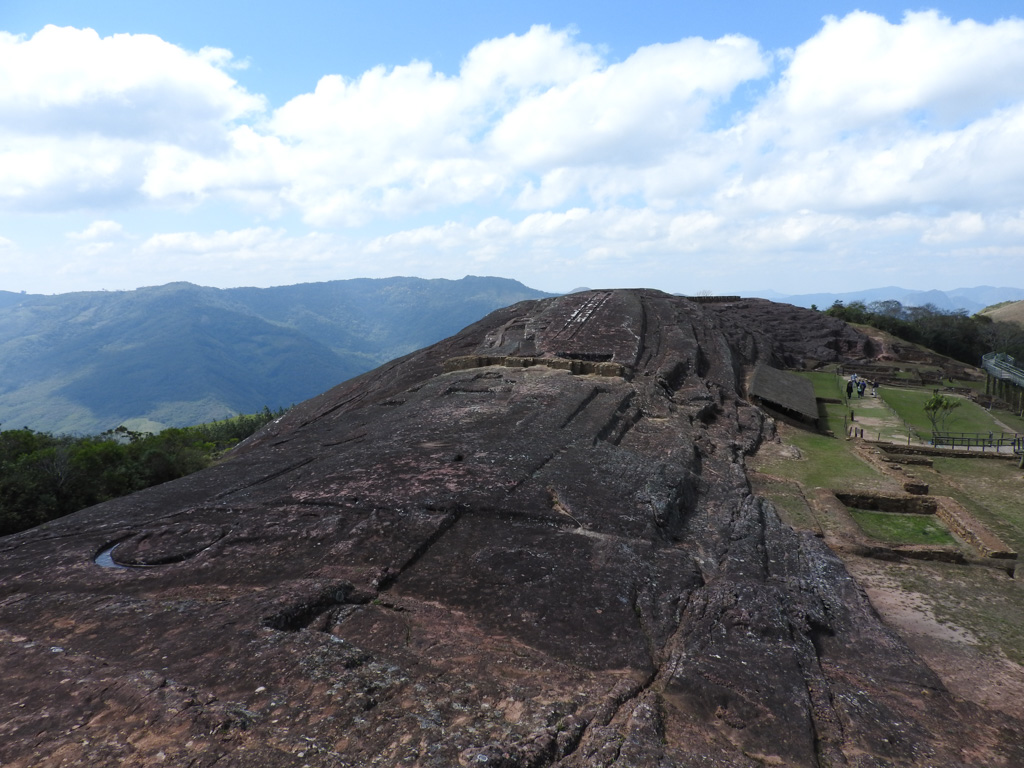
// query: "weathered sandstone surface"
[[481, 565]]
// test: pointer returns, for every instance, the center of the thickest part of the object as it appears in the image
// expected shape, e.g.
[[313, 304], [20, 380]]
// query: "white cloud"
[[250, 256], [539, 120], [410, 139], [98, 230], [914, 168], [962, 225], [863, 70], [81, 115], [64, 82], [628, 113], [244, 241], [538, 153], [49, 173], [93, 249]]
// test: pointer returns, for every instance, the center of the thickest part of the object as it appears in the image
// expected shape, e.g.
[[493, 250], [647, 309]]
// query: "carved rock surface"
[[495, 565]]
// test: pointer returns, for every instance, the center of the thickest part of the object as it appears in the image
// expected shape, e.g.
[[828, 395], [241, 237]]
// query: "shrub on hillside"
[[44, 476]]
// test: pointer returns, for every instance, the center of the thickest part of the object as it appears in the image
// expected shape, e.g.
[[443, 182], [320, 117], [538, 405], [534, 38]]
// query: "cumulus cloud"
[[538, 116], [962, 225], [866, 113], [98, 230], [66, 82], [81, 116], [260, 247], [539, 150], [863, 70], [871, 115]]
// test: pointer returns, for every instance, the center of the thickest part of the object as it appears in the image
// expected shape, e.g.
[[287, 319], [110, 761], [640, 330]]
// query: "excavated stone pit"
[[484, 564]]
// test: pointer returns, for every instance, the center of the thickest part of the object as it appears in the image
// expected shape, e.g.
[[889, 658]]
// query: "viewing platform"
[[1004, 379], [1003, 367]]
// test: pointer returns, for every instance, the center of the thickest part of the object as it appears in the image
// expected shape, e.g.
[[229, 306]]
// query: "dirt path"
[[876, 419]]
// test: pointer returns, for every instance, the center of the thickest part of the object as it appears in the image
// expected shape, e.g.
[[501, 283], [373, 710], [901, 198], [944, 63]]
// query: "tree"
[[886, 308], [939, 409], [43, 476], [854, 312]]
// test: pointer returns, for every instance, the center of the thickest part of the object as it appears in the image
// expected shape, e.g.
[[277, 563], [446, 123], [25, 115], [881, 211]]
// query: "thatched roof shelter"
[[784, 391]]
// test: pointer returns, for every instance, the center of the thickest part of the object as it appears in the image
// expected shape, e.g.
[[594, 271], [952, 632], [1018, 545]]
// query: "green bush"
[[44, 476]]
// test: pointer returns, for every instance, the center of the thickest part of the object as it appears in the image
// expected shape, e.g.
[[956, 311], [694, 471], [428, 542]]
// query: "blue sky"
[[729, 147]]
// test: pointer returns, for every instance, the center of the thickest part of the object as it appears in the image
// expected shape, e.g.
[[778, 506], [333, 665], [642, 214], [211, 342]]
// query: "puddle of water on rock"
[[104, 558]]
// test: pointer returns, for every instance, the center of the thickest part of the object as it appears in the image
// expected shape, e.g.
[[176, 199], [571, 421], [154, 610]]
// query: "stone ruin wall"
[[960, 522], [964, 525]]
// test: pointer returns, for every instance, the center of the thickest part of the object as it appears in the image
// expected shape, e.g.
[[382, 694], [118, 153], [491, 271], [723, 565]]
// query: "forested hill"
[[955, 334], [182, 354]]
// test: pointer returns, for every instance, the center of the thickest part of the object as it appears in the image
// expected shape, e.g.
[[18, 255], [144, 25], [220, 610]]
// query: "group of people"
[[860, 386]]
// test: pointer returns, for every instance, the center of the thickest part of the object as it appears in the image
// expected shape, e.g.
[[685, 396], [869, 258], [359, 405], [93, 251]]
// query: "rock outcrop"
[[485, 565]]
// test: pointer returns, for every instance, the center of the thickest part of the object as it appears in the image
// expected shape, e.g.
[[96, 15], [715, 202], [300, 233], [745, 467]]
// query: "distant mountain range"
[[970, 299], [182, 354]]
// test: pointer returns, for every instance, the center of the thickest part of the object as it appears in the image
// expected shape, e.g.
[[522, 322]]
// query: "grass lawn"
[[902, 529], [977, 386], [992, 490], [1010, 419], [909, 404], [827, 462]]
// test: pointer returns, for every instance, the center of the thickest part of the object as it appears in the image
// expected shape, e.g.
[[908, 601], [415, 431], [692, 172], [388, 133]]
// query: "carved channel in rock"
[[160, 546], [576, 366], [317, 602]]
